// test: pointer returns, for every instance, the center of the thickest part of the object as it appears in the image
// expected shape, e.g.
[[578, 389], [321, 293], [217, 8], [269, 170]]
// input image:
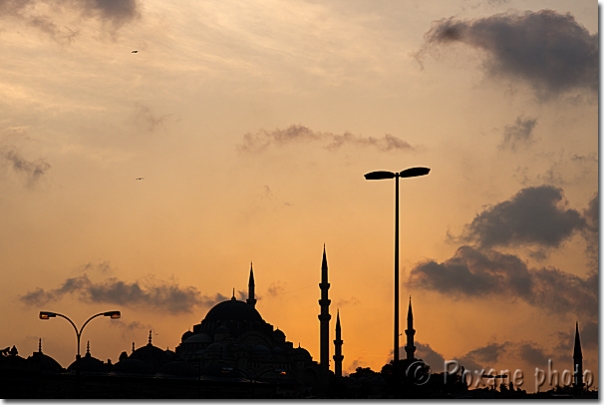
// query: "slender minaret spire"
[[150, 338], [40, 345], [577, 360], [338, 357], [410, 332], [251, 299], [324, 317], [88, 348]]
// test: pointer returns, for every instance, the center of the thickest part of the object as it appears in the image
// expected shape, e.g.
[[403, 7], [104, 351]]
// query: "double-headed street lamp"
[[48, 314], [381, 175]]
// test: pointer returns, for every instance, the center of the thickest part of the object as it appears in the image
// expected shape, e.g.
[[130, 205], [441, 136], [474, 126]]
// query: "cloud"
[[38, 13], [143, 116], [534, 216], [102, 267], [521, 133], [167, 297], [548, 50], [592, 230], [275, 289], [431, 357], [532, 354], [342, 302], [32, 170], [261, 140], [472, 273]]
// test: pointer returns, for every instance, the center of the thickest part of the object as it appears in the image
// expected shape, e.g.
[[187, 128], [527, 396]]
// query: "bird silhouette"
[[140, 178], [134, 51]]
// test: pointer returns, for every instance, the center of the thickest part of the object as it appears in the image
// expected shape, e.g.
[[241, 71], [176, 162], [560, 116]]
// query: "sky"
[[249, 126]]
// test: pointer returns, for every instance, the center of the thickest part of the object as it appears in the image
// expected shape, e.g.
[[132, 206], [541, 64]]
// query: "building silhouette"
[[577, 360], [338, 356], [324, 316], [410, 332]]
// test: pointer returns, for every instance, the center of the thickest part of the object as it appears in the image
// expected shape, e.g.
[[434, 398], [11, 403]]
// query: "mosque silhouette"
[[234, 353]]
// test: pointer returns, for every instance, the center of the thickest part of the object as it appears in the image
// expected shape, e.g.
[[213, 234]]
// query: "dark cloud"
[[102, 267], [168, 297], [431, 357], [519, 134], [259, 141], [532, 354], [113, 12], [588, 333], [534, 216], [472, 273], [592, 230], [32, 170], [548, 50]]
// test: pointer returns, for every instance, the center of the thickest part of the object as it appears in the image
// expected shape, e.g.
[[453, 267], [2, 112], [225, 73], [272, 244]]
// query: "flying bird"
[[140, 178], [134, 51]]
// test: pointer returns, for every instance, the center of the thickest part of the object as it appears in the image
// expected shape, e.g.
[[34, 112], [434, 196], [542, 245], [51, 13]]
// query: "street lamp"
[[45, 315], [381, 175]]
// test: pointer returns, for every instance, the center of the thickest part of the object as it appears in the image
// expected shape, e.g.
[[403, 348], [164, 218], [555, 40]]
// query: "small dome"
[[222, 329], [186, 335], [43, 362], [198, 338], [89, 364], [216, 347], [279, 335], [152, 355]]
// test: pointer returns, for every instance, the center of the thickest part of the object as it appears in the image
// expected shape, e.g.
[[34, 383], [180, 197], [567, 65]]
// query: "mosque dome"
[[152, 355], [89, 364], [43, 362], [198, 338], [232, 310]]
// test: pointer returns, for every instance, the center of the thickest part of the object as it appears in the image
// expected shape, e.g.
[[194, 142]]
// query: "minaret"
[[410, 332], [251, 299], [338, 357], [577, 360], [324, 317]]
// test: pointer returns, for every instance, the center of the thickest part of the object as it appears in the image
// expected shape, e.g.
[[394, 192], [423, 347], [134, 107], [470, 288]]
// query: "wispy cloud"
[[261, 140], [40, 13], [31, 170], [519, 134], [161, 296], [548, 50]]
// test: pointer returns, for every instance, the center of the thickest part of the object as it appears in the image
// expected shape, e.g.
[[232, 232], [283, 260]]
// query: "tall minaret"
[[577, 360], [324, 317], [251, 299], [338, 357], [410, 332]]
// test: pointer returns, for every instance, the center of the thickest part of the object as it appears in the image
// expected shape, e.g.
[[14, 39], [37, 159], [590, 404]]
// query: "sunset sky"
[[252, 124]]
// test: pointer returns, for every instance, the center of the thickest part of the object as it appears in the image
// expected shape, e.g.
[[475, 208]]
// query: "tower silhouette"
[[324, 317], [338, 357], [577, 359], [251, 299], [410, 332]]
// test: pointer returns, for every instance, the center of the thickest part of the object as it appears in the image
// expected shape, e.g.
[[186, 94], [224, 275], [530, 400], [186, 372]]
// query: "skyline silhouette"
[[252, 128]]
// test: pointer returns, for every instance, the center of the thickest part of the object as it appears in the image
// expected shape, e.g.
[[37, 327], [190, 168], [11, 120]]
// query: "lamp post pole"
[[380, 175], [45, 315]]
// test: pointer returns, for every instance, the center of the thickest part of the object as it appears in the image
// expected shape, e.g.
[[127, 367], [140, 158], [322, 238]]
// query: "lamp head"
[[379, 175], [47, 315], [415, 172], [113, 314]]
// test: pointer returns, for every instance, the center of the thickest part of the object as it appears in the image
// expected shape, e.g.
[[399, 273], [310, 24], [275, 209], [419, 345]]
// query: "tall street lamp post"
[[381, 175], [48, 314]]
